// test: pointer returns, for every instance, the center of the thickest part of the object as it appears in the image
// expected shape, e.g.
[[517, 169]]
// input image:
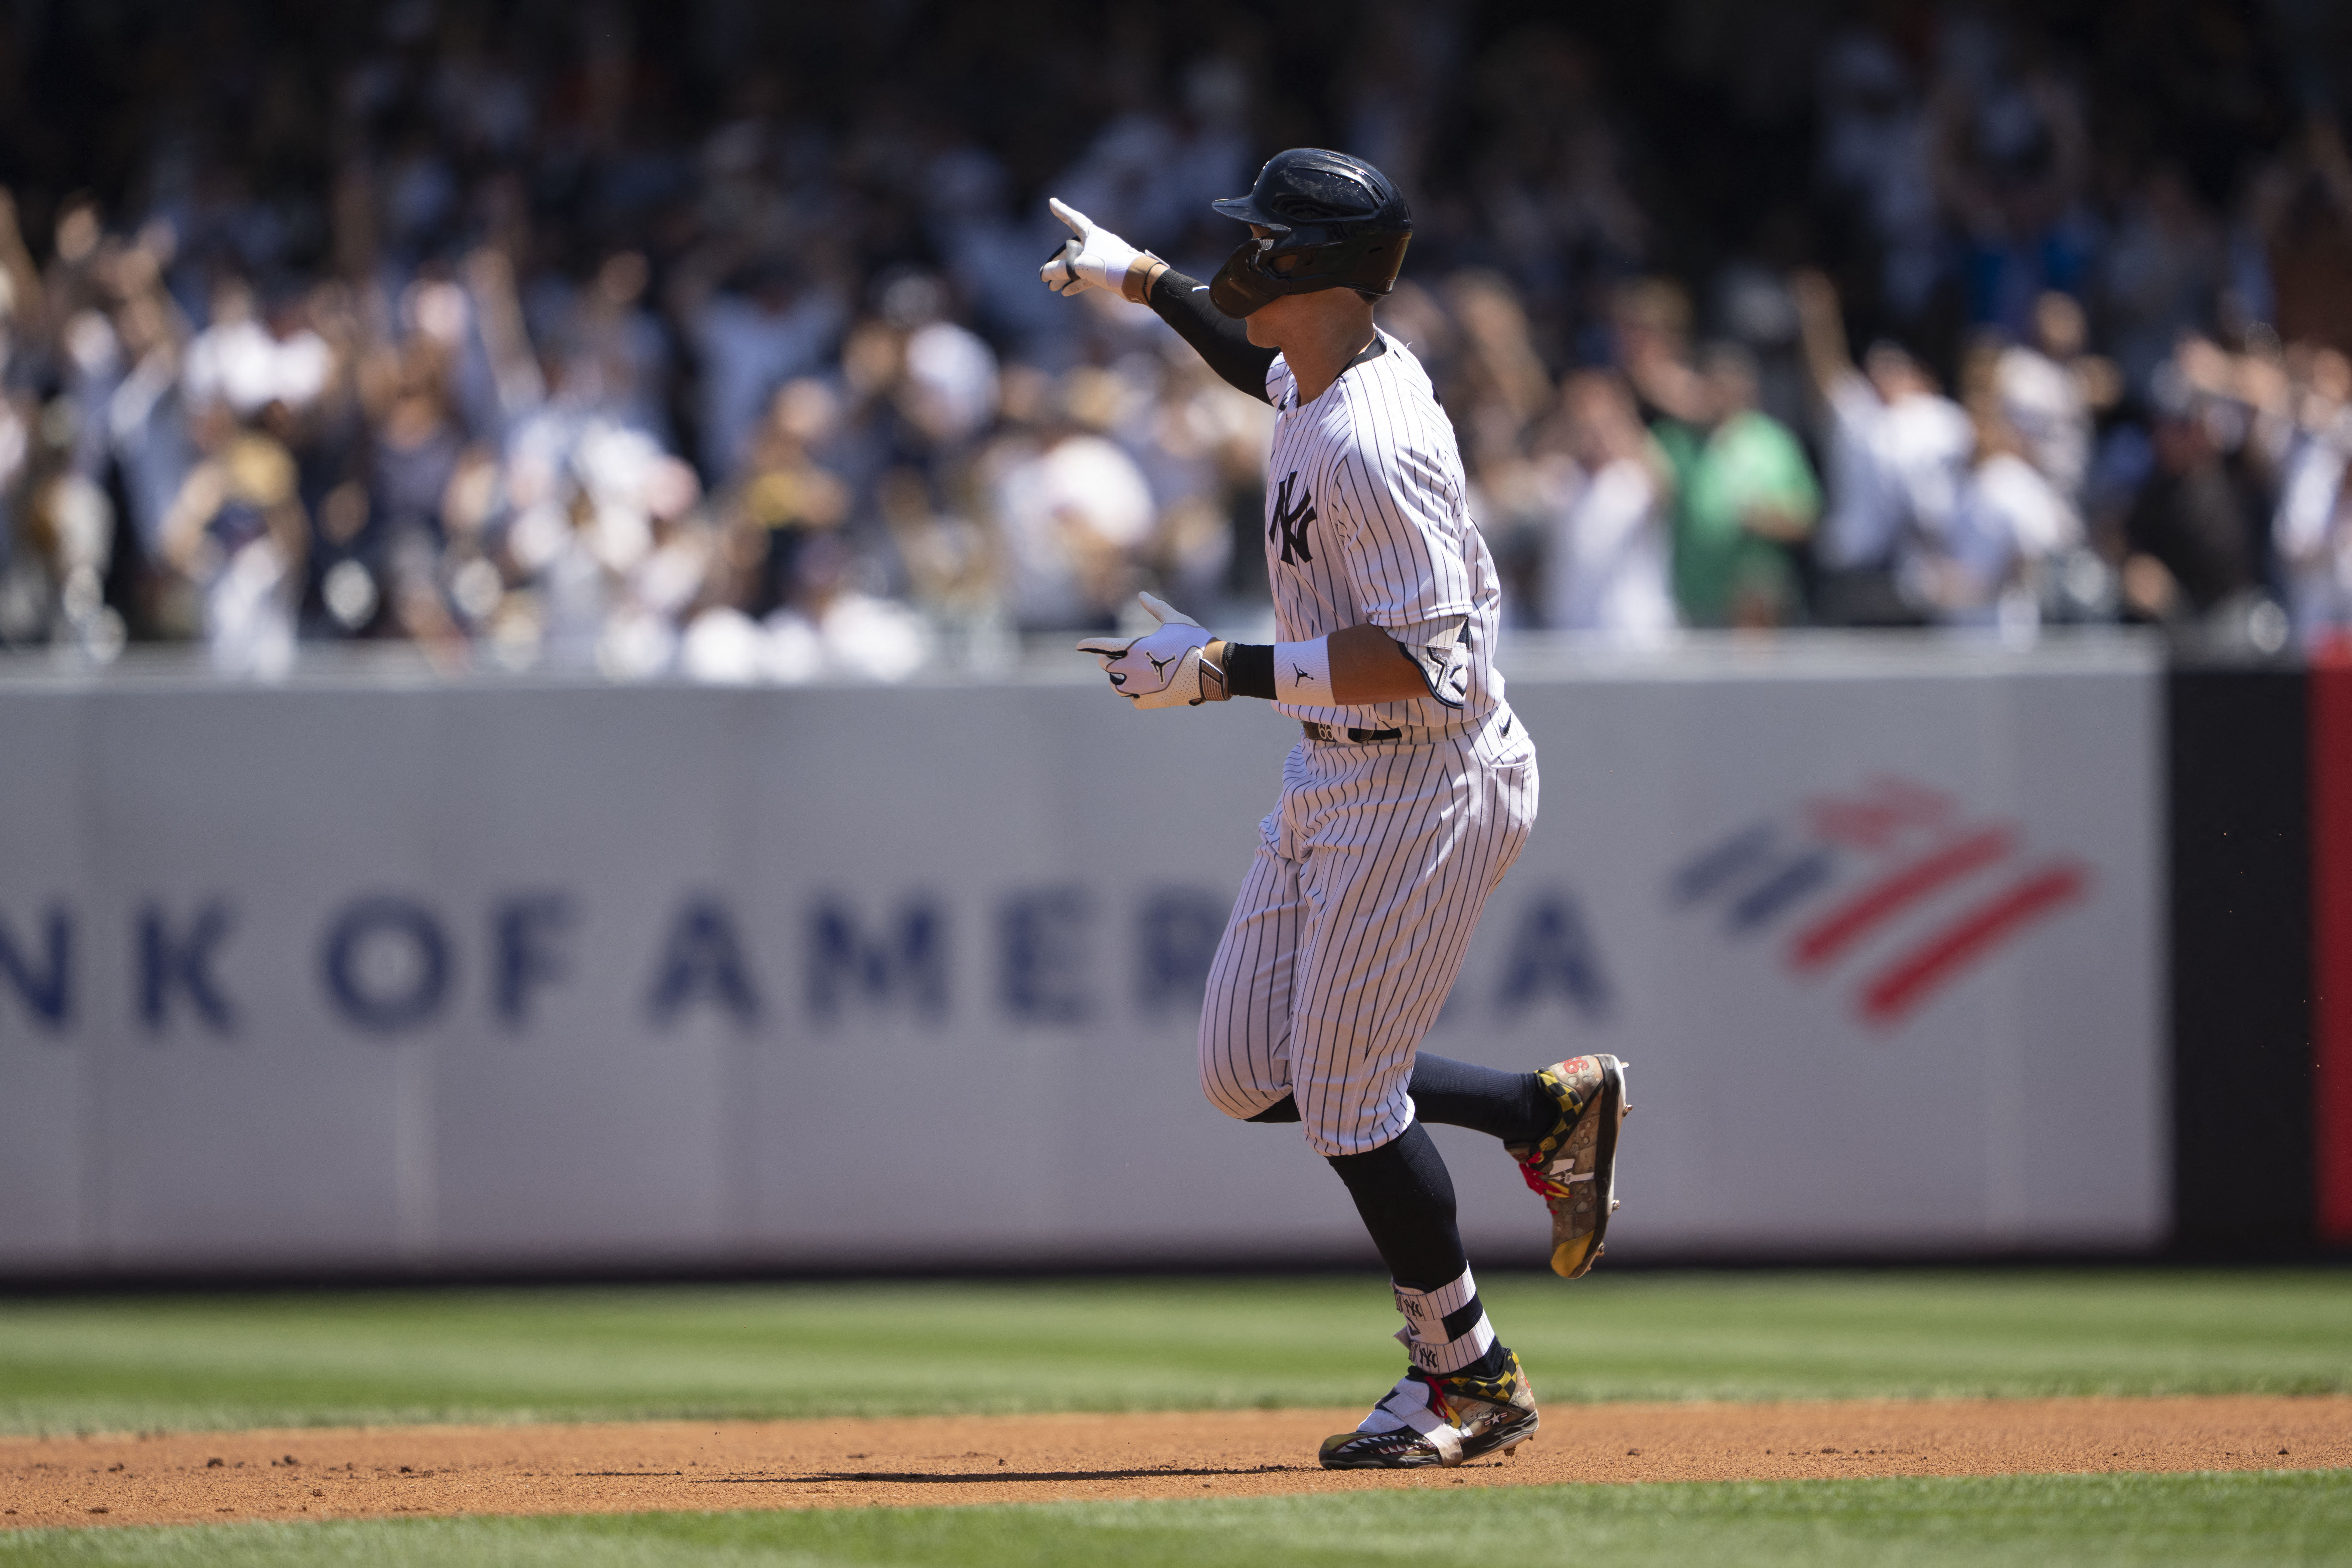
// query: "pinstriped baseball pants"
[[1349, 930]]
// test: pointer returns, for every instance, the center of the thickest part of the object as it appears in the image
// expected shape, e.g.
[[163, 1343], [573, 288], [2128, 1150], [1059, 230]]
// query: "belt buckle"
[[1334, 734]]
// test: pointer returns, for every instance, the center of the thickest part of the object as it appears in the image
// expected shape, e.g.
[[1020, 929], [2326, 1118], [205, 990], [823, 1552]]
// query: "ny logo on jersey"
[[1290, 522]]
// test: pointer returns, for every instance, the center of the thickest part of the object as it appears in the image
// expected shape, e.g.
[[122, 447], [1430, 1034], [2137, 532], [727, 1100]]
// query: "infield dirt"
[[346, 1473]]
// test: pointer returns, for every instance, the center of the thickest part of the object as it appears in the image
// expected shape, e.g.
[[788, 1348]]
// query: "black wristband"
[[1249, 669]]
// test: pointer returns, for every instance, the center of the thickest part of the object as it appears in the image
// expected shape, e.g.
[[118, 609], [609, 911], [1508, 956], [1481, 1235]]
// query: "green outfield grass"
[[147, 1363], [2268, 1518]]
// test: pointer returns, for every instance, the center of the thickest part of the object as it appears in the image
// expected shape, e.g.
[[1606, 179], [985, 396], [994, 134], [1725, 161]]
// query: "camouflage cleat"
[[1574, 1168], [1431, 1418]]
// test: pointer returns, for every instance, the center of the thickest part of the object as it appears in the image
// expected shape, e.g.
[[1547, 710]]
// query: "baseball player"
[[1410, 794]]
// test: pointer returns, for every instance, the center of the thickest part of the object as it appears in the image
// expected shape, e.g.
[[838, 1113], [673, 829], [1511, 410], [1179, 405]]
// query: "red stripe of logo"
[[1906, 981], [1883, 900]]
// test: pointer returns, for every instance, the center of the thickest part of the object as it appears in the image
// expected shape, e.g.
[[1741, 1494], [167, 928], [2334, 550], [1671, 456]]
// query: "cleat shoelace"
[[1532, 1173]]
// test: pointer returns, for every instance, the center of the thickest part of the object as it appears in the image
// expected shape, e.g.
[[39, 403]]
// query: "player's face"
[[1289, 320], [1262, 321], [1267, 323]]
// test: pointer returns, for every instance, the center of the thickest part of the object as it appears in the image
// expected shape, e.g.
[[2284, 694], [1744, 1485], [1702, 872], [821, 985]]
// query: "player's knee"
[[1327, 1141], [1242, 1095], [1219, 1083], [1223, 1096], [1241, 1101], [1337, 1132]]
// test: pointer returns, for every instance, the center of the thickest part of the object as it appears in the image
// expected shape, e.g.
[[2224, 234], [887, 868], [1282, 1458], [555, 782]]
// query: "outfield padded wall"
[[510, 976]]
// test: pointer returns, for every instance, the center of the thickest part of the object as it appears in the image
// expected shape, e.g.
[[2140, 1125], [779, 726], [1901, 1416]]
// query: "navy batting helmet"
[[1331, 222]]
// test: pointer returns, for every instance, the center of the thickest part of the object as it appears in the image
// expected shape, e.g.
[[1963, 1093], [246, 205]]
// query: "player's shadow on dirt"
[[991, 1477]]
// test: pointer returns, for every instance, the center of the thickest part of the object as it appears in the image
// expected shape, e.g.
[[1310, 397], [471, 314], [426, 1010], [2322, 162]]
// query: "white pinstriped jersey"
[[1368, 520]]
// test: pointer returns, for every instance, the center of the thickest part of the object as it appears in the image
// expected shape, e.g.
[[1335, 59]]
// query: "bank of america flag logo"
[[1891, 891]]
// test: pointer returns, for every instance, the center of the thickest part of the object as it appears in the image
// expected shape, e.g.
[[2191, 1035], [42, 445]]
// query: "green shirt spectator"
[[1745, 495]]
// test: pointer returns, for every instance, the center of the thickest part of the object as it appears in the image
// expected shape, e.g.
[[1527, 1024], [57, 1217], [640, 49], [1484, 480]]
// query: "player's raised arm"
[[1094, 258]]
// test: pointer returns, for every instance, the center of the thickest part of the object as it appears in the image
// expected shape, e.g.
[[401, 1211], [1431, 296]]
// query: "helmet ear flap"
[[1367, 263], [1239, 289]]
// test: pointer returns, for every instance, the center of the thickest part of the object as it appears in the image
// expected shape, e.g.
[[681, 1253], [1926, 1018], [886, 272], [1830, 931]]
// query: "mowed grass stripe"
[[2213, 1519], [328, 1358]]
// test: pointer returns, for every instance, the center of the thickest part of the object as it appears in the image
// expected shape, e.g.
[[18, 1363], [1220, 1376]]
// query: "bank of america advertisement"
[[501, 978]]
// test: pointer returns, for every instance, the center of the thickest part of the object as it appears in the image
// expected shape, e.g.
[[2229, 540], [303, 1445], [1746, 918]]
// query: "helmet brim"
[[1245, 210]]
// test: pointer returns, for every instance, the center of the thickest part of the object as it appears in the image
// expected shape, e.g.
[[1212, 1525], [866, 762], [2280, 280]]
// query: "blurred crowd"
[[702, 341]]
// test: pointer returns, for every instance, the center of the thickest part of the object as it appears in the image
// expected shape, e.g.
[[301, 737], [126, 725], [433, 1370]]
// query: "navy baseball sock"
[[1406, 1195], [1511, 1106]]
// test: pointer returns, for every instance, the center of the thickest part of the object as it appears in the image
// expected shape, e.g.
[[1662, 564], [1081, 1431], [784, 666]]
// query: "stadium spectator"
[[2163, 273], [1876, 153], [1610, 546], [2012, 167], [1073, 512], [1744, 499], [2312, 530], [1897, 450], [2049, 391], [2190, 529], [2303, 204], [2011, 533]]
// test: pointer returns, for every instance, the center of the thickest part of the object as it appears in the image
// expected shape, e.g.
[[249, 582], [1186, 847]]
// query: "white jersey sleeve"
[[1393, 505]]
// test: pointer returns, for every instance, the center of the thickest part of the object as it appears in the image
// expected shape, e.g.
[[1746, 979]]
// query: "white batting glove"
[[1162, 668], [1093, 258]]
